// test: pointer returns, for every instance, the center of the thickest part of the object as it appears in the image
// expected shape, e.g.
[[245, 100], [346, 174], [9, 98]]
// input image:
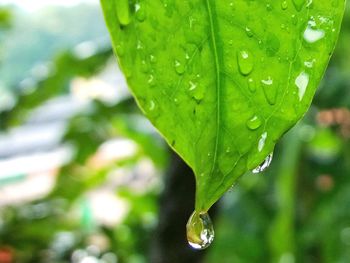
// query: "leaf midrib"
[[213, 39]]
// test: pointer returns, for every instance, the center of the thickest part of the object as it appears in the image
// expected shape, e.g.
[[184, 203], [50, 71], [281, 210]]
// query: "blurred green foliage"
[[297, 211]]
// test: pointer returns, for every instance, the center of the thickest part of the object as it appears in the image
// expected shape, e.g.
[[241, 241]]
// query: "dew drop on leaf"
[[120, 49], [144, 66], [140, 12], [264, 165], [269, 90], [198, 93], [302, 81], [152, 59], [262, 141], [251, 85], [312, 34], [192, 86], [200, 231], [152, 106], [284, 5], [254, 123], [245, 62], [309, 64], [294, 19], [179, 67], [123, 12], [151, 81], [248, 32]]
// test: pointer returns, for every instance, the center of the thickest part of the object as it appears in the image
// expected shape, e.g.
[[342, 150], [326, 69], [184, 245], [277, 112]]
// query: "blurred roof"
[[33, 5]]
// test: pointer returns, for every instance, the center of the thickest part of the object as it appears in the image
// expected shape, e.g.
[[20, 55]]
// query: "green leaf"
[[223, 80]]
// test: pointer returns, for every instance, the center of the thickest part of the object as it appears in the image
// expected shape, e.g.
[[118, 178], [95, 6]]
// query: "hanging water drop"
[[200, 231], [264, 165], [245, 62]]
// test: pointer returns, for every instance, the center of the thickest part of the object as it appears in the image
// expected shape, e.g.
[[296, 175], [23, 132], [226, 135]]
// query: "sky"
[[32, 5]]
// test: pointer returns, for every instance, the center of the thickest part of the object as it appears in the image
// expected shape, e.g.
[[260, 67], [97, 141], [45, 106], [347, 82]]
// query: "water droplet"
[[191, 21], [169, 6], [249, 32], [123, 12], [262, 141], [264, 165], [270, 91], [179, 67], [294, 19], [151, 81], [302, 81], [254, 123], [268, 7], [200, 231], [152, 59], [151, 106], [298, 4], [139, 45], [312, 34], [198, 94], [284, 5], [309, 64], [245, 62], [144, 66], [251, 85], [193, 86], [140, 12], [120, 49]]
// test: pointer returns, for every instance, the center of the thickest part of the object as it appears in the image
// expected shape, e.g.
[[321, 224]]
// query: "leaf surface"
[[223, 80]]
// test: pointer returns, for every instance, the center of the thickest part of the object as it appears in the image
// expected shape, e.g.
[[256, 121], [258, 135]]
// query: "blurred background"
[[84, 177]]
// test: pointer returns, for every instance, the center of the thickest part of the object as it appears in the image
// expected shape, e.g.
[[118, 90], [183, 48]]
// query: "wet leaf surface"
[[223, 80]]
